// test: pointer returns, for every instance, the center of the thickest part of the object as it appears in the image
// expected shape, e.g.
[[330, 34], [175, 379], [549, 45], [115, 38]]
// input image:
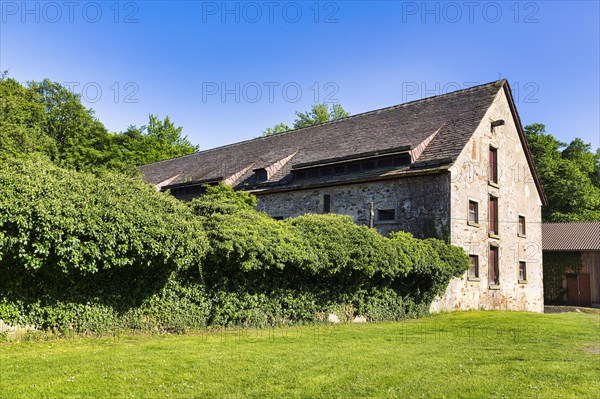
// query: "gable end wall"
[[517, 195]]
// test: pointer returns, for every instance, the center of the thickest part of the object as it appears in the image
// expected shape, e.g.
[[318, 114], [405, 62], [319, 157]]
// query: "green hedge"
[[92, 254], [76, 222]]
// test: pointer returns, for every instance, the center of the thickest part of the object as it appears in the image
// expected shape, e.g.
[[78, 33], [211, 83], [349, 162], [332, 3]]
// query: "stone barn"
[[454, 166]]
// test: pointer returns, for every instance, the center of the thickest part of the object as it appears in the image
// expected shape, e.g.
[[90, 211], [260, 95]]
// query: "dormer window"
[[261, 175], [402, 160], [378, 162]]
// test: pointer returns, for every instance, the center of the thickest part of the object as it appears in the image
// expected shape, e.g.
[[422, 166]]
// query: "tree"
[[570, 176], [45, 117], [157, 141], [67, 121], [319, 113], [22, 121], [168, 138], [279, 128]]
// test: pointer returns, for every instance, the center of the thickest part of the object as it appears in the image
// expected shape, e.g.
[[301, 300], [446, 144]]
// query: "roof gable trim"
[[165, 183], [272, 169], [416, 152], [231, 180], [523, 139]]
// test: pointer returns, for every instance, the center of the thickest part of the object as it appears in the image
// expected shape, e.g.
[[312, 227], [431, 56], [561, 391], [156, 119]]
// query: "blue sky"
[[227, 71]]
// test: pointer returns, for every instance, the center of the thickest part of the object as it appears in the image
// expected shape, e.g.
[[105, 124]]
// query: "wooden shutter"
[[494, 272], [493, 172], [493, 211]]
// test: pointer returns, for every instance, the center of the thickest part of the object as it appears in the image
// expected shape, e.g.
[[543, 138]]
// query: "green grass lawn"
[[456, 355]]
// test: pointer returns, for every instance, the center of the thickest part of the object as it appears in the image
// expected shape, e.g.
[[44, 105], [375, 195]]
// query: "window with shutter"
[[493, 165], [493, 216], [494, 272]]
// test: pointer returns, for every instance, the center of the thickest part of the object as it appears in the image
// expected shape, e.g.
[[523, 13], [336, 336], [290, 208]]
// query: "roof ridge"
[[388, 108], [500, 82]]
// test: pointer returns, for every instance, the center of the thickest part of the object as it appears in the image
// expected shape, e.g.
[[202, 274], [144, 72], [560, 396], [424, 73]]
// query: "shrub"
[[73, 244], [337, 246], [221, 199], [327, 258], [76, 222], [86, 254]]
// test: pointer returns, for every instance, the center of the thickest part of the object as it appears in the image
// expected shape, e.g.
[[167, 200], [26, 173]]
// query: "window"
[[187, 193], [261, 175], [326, 172], [313, 173], [326, 203], [301, 175], [402, 160], [494, 272], [473, 212], [493, 216], [474, 269], [386, 163], [386, 215], [522, 271], [493, 160], [338, 170], [521, 230], [368, 165], [354, 167]]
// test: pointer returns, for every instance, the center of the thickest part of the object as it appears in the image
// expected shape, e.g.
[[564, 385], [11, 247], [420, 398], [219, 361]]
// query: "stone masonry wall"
[[517, 195], [421, 203], [437, 205]]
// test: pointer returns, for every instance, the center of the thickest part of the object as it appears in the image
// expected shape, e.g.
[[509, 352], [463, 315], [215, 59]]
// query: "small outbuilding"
[[571, 258]]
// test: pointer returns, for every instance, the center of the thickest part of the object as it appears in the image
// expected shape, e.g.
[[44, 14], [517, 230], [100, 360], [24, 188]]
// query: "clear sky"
[[226, 71]]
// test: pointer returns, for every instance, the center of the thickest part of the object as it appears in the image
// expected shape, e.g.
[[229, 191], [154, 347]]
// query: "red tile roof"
[[575, 236]]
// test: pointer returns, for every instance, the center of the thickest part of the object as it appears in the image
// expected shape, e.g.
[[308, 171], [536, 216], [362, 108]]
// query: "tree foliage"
[[279, 128], [68, 222], [157, 141], [45, 117], [22, 121], [319, 113], [570, 176], [222, 199]]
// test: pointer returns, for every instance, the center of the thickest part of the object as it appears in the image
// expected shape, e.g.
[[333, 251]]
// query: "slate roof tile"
[[456, 115]]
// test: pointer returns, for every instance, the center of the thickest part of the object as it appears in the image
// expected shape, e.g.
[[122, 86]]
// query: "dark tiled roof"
[[576, 236], [454, 116]]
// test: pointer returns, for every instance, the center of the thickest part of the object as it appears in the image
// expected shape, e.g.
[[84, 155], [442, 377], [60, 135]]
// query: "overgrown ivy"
[[556, 265], [86, 254]]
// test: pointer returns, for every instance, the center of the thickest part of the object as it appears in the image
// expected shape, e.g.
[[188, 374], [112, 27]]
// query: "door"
[[585, 294], [572, 290], [578, 290]]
